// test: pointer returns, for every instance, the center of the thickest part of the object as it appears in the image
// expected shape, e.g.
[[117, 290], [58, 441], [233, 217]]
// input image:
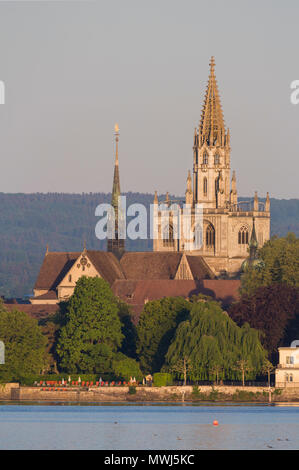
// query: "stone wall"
[[111, 394], [121, 394]]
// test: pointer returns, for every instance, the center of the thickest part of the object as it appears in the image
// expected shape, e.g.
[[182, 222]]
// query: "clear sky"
[[74, 68]]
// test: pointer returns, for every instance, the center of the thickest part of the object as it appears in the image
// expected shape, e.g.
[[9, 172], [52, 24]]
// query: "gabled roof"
[[56, 266], [150, 265], [199, 268], [107, 264]]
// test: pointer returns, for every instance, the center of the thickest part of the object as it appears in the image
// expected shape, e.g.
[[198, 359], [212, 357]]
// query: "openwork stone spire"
[[211, 127]]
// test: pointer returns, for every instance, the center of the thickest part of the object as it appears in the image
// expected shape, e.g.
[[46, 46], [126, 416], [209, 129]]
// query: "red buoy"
[[215, 422]]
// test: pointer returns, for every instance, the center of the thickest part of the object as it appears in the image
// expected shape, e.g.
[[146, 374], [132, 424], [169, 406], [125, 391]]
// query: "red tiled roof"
[[150, 265], [137, 293], [34, 311], [199, 268], [50, 295], [107, 264]]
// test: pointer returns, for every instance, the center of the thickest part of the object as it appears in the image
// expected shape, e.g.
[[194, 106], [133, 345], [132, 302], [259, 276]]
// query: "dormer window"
[[205, 158], [70, 278]]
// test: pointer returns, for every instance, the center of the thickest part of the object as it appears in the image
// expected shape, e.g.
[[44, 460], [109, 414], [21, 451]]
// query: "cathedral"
[[227, 224], [230, 232]]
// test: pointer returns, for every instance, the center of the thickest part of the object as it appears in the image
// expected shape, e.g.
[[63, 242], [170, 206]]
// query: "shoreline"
[[140, 403], [150, 395]]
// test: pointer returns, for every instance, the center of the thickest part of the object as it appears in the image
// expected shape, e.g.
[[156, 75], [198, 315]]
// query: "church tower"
[[227, 222], [115, 243], [211, 151]]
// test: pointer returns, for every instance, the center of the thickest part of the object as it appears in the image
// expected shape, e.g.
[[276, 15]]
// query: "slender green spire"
[[253, 244], [116, 181], [115, 244]]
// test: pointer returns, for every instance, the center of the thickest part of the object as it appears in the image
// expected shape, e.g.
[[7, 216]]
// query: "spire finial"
[[116, 134], [212, 64], [267, 204], [47, 249], [156, 198], [84, 245]]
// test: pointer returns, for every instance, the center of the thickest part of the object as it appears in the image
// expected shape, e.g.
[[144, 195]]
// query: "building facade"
[[287, 371], [227, 224]]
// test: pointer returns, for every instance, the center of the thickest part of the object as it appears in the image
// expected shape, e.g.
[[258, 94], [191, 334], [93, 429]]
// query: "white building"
[[287, 371]]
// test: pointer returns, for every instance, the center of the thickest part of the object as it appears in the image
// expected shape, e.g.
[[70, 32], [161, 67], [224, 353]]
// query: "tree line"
[[191, 339]]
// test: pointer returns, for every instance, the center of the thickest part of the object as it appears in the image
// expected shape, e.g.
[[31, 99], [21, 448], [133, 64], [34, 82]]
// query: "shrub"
[[162, 379], [132, 390], [125, 367]]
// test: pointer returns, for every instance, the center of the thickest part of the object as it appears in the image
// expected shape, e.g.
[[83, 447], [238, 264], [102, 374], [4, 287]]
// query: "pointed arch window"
[[205, 158], [197, 237], [217, 159], [216, 185], [210, 236], [205, 186], [243, 235], [168, 238]]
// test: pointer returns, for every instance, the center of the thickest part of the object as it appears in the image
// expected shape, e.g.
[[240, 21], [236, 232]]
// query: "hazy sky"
[[74, 68]]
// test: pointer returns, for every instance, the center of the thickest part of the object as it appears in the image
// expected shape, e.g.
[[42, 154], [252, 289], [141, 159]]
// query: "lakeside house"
[[287, 371]]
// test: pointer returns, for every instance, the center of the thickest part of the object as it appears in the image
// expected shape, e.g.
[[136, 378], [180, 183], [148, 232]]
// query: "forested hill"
[[29, 221]]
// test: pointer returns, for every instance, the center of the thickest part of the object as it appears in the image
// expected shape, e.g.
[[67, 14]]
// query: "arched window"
[[216, 185], [168, 239], [217, 159], [197, 237], [205, 186], [243, 236], [205, 158], [210, 236]]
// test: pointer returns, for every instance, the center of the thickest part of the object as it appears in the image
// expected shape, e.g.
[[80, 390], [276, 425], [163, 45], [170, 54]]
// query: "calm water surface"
[[132, 427]]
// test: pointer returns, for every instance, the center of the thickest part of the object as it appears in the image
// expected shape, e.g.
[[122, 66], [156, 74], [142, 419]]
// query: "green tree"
[[244, 367], [280, 258], [92, 333], [183, 367], [274, 310], [210, 339], [128, 329], [267, 368], [25, 345], [156, 328]]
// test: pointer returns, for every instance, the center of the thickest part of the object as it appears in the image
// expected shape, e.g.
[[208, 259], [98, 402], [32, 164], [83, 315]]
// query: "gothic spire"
[[253, 242], [211, 127], [116, 244], [116, 181]]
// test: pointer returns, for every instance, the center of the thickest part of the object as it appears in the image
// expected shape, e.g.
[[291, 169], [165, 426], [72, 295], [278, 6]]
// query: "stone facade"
[[226, 224], [287, 371]]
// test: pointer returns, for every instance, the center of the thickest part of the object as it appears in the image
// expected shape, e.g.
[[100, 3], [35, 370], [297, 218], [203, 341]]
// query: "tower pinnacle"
[[211, 127]]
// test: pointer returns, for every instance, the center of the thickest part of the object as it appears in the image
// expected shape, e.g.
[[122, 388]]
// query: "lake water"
[[148, 426]]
